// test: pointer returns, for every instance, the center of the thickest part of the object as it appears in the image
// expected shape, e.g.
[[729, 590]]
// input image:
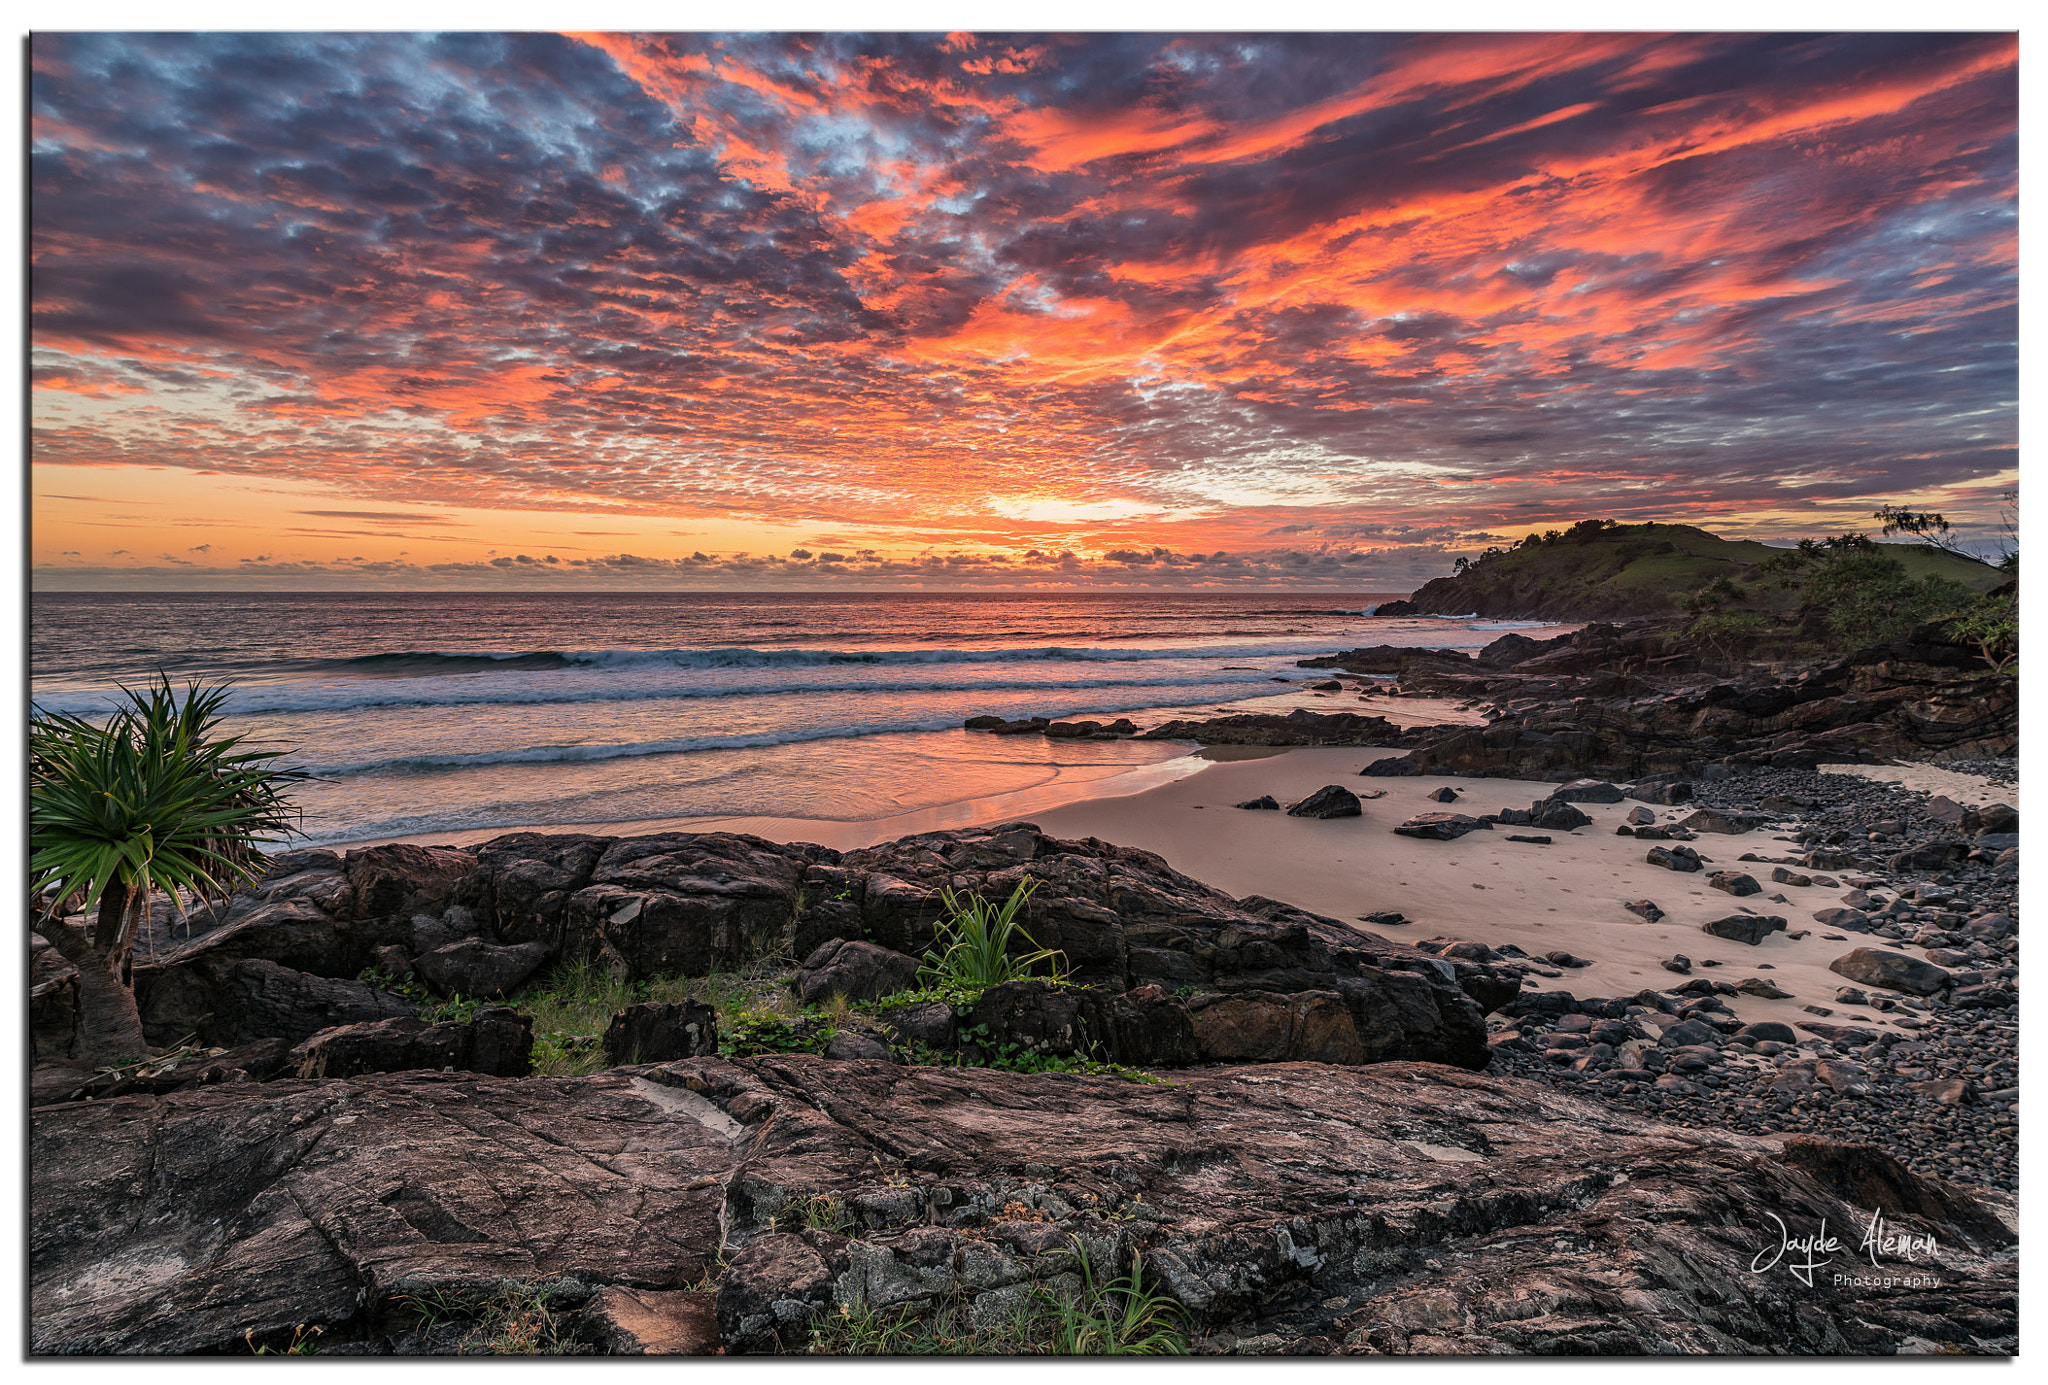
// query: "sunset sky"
[[603, 311]]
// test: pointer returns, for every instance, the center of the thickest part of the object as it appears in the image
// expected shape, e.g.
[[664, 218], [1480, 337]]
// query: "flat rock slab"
[[1404, 1208], [1893, 971], [1442, 827]]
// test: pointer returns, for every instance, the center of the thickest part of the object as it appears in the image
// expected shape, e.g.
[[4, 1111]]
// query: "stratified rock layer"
[[1402, 1208]]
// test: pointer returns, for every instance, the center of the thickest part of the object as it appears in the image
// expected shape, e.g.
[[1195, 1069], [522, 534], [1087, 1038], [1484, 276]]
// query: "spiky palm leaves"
[[151, 800]]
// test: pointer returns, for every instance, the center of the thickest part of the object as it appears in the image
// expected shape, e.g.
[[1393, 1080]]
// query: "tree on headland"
[[152, 801]]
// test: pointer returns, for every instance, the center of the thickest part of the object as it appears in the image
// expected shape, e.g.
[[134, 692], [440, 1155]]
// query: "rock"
[[1384, 918], [1679, 963], [1262, 801], [1587, 791], [496, 1041], [1327, 685], [1948, 1091], [1678, 858], [1999, 819], [1927, 856], [1848, 920], [1442, 827], [1757, 986], [1844, 1078], [1891, 971], [851, 1046], [1689, 1033], [1734, 882], [228, 1002], [1446, 794], [1782, 876], [929, 1025], [1142, 1028], [1260, 1027], [1665, 792], [1768, 1031], [655, 1032], [1639, 817], [1565, 959], [474, 967], [1743, 928], [1268, 1194], [1723, 820], [1300, 727], [1644, 910], [1840, 1035], [852, 968], [1991, 927], [650, 1322], [1393, 767], [985, 723], [1942, 808], [1849, 995], [1330, 801], [1532, 841], [770, 1293]]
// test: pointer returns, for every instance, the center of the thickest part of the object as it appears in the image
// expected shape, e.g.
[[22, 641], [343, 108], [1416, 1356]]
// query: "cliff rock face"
[[1405, 1208]]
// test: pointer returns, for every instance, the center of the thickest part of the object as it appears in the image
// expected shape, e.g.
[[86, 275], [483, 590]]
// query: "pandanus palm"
[[152, 800]]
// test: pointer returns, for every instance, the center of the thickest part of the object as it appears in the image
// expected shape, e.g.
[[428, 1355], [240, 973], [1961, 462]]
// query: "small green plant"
[[977, 940], [818, 1212], [760, 1031], [1121, 1318]]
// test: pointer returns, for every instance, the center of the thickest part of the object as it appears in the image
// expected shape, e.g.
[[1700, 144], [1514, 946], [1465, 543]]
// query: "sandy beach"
[[1566, 896]]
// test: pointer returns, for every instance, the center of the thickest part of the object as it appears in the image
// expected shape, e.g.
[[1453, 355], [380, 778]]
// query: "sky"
[[602, 311]]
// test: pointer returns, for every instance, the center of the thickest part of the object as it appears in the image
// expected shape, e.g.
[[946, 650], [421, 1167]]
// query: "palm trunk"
[[109, 1024]]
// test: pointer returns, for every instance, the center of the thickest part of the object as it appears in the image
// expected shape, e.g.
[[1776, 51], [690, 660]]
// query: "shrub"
[[975, 945]]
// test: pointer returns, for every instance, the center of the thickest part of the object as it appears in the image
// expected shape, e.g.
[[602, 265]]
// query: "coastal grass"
[[1118, 1318], [512, 1318]]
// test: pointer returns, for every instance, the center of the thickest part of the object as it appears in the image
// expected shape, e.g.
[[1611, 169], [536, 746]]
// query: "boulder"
[[855, 969], [1734, 882], [1665, 792], [1261, 1027], [1446, 794], [1442, 827], [1263, 801], [1723, 820], [496, 1041], [229, 1002], [1678, 858], [1762, 989], [769, 1294], [1393, 767], [1330, 801], [1891, 971], [1848, 920], [1768, 1031], [1644, 909], [1743, 928], [657, 1032], [474, 967], [1587, 791], [1557, 814], [1928, 856], [1781, 876], [1142, 1028]]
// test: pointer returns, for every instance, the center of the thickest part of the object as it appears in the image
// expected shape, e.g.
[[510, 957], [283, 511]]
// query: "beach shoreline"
[[1567, 896]]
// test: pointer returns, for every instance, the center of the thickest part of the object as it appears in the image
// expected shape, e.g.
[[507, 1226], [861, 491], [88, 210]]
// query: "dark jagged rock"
[[1300, 727], [1644, 910], [855, 969], [474, 967], [1392, 767], [1722, 820], [1307, 1201], [1142, 1028], [496, 1041], [1446, 794], [1744, 928], [657, 1032], [225, 1002], [1442, 827], [1678, 858], [1263, 801], [1330, 801], [1735, 882]]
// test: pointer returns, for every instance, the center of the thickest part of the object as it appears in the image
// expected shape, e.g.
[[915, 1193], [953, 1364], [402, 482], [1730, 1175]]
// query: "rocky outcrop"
[[1402, 1208], [283, 961], [496, 1041], [1299, 727]]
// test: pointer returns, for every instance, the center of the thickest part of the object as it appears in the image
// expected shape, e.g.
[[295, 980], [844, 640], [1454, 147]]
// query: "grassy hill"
[[1589, 573]]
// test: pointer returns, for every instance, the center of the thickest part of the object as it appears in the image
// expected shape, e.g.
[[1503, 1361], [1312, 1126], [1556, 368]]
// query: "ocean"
[[440, 712]]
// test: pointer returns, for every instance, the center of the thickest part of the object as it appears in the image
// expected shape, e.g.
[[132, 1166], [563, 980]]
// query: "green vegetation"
[[1600, 570], [513, 1318], [1120, 1318], [748, 1032], [154, 801], [976, 942], [305, 1341]]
